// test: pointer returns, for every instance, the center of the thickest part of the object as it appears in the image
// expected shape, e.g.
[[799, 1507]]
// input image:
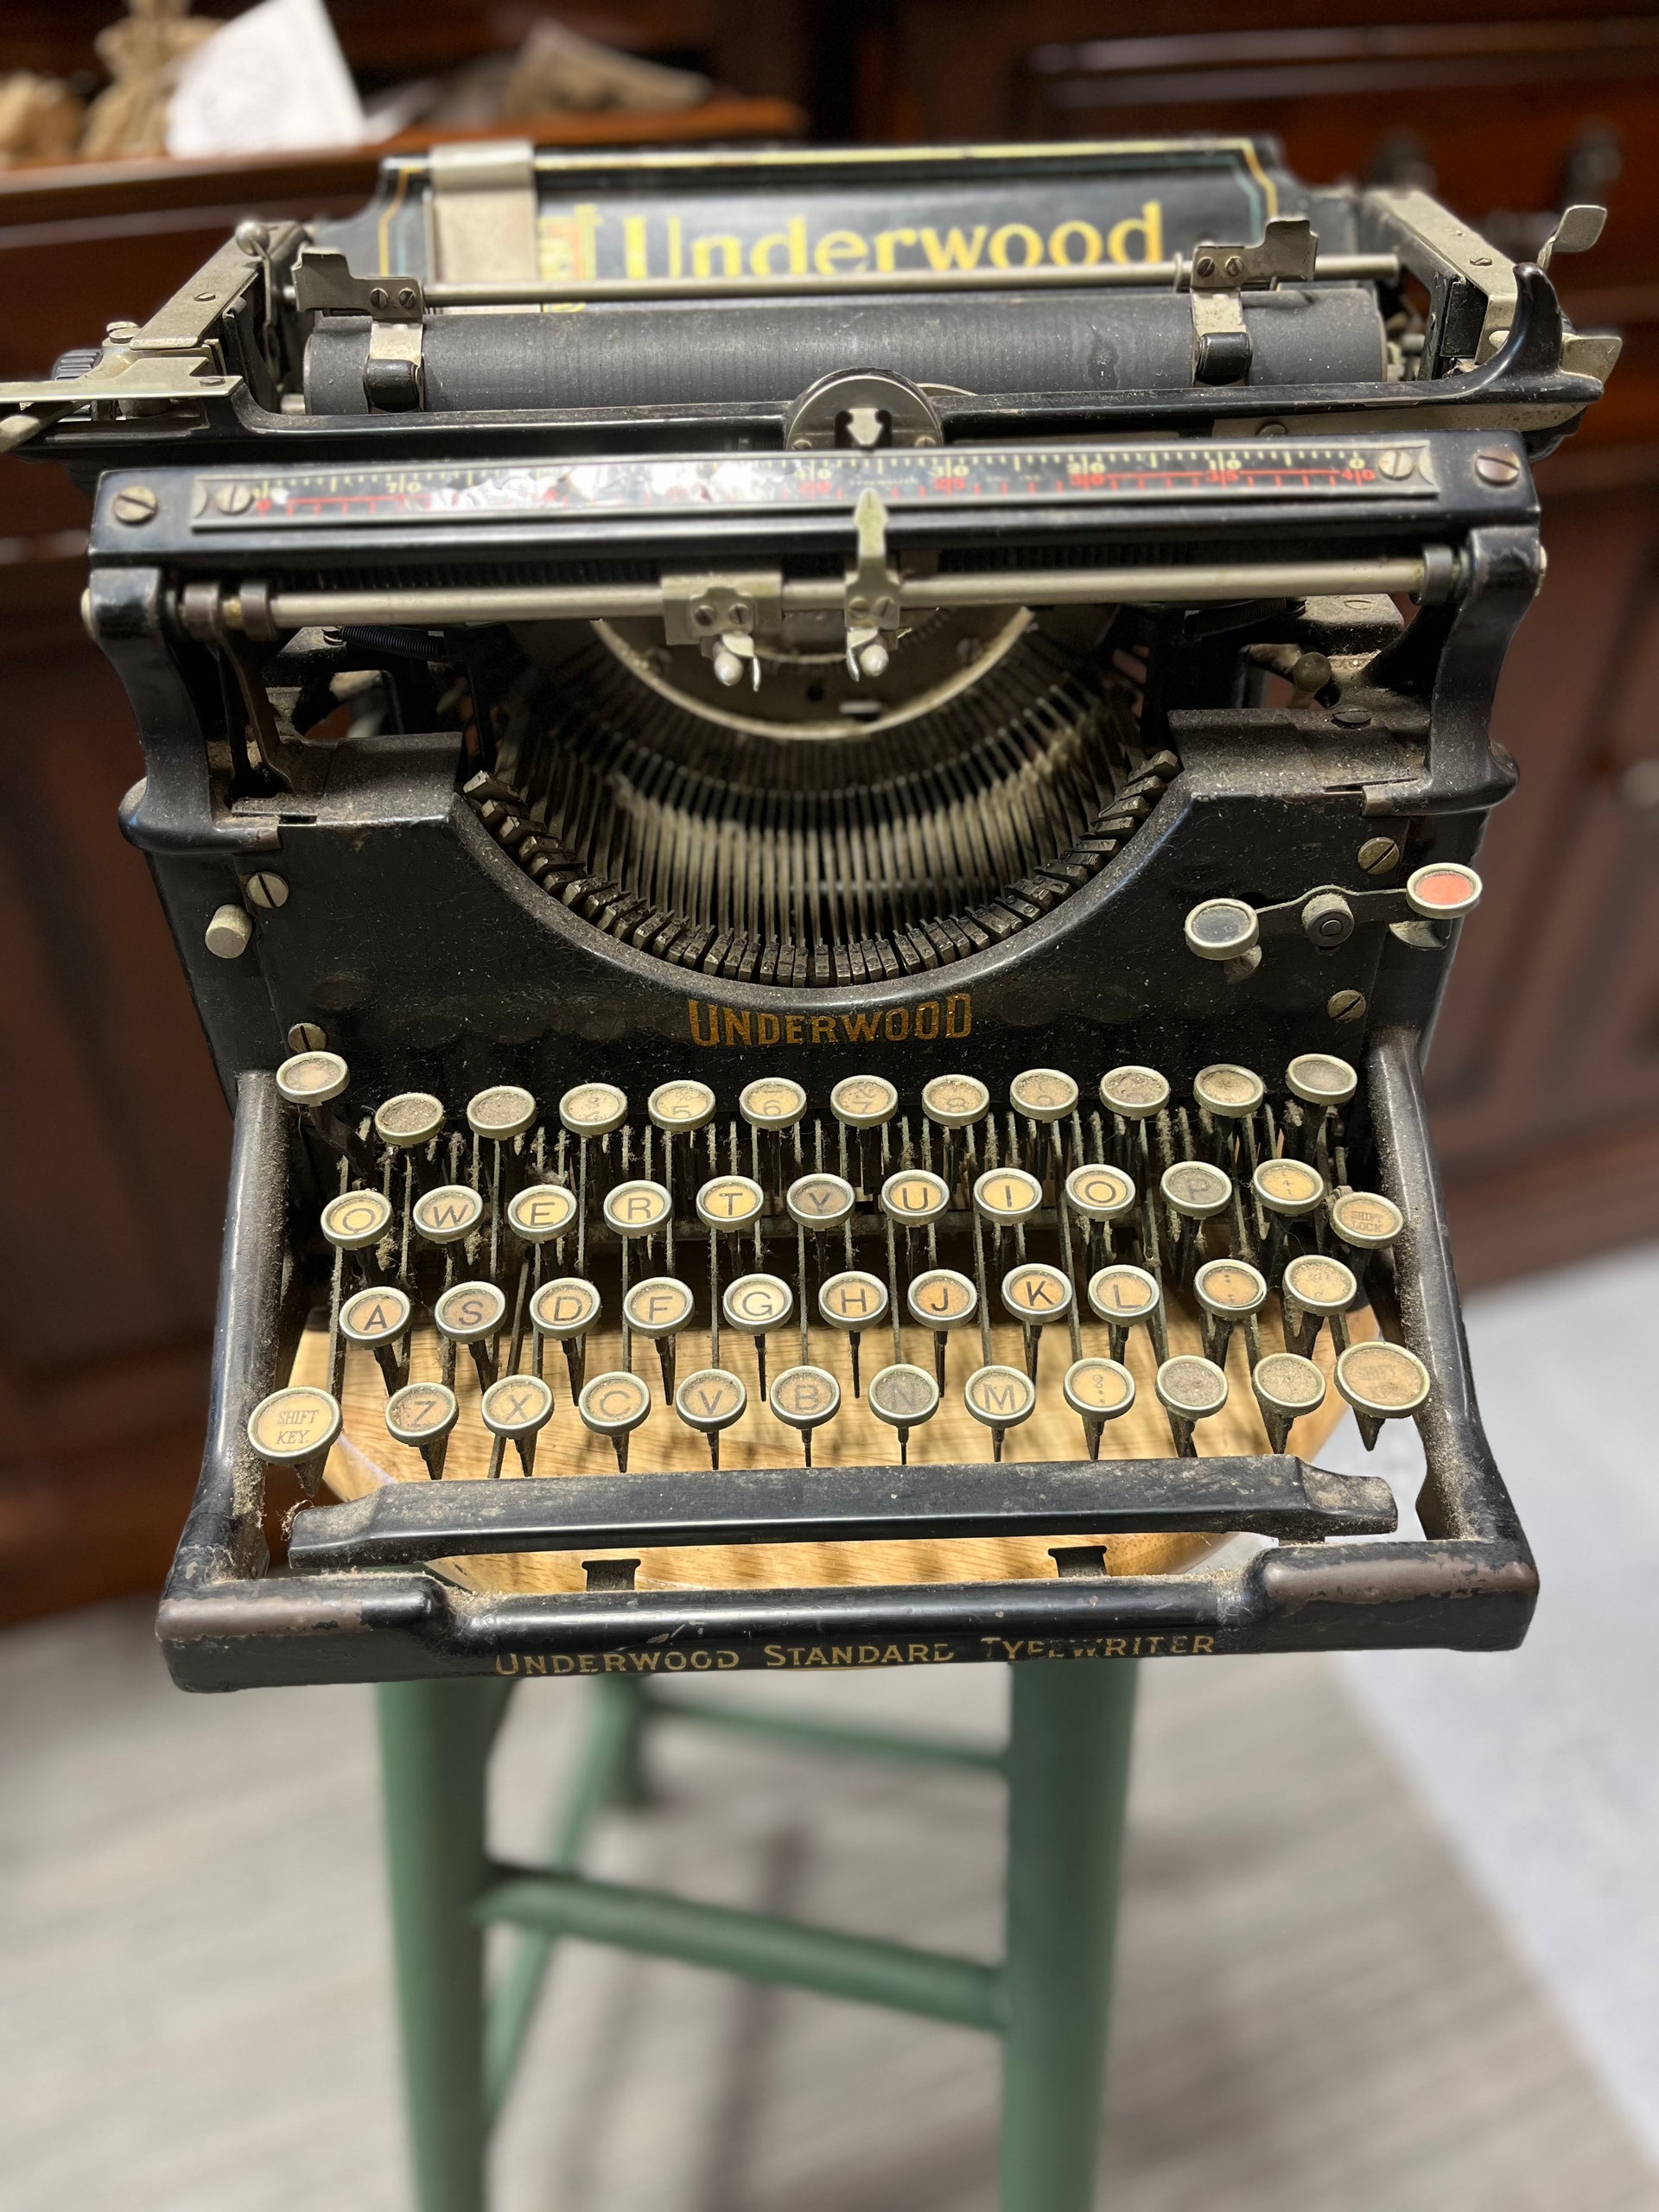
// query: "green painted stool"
[[1067, 1766]]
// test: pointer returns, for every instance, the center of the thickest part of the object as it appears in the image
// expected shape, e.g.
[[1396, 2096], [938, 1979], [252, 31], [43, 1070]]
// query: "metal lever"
[[1230, 931]]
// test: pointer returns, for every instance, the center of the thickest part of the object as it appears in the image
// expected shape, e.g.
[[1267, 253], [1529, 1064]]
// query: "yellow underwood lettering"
[[860, 1028], [1203, 1643], [793, 1024], [887, 244], [839, 250], [953, 251], [615, 1663], [768, 1029], [534, 1664], [1031, 246], [697, 1038], [1150, 225], [506, 1662], [958, 1014], [823, 1028], [737, 1027], [730, 251], [1059, 249], [793, 241]]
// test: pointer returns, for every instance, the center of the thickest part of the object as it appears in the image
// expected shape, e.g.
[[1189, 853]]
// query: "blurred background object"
[[1545, 1071]]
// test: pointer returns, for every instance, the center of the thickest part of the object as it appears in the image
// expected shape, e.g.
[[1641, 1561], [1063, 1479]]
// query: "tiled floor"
[[1327, 1998]]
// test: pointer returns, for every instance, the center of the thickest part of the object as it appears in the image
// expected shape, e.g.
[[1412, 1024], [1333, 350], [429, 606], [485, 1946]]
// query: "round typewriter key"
[[564, 1309], [1097, 1390], [1320, 1080], [730, 1201], [420, 1415], [1190, 1390], [447, 1214], [804, 1398], [637, 1209], [864, 1101], [684, 1104], [1319, 1285], [503, 1112], [1001, 1397], [904, 1397], [913, 1197], [771, 1101], [1006, 1196], [942, 1298], [469, 1312], [1036, 1293], [820, 1201], [1196, 1191], [1222, 929], [1382, 1381], [754, 1304], [853, 1300], [711, 1401], [593, 1109], [1229, 1292], [1230, 1093], [955, 1102], [294, 1429], [1287, 1187], [541, 1212], [1100, 1193], [1043, 1094], [1123, 1295], [1136, 1093], [1229, 1289], [356, 1220], [660, 1307], [614, 1405], [312, 1078], [1365, 1220], [1315, 1289], [515, 1411], [1443, 891], [410, 1120], [1286, 1387], [376, 1317]]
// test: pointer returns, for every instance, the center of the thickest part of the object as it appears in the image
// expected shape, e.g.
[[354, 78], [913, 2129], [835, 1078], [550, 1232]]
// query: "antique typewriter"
[[817, 805]]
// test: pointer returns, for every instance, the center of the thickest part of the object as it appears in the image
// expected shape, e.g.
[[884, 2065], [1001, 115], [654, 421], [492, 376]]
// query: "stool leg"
[[1068, 1780], [435, 1744]]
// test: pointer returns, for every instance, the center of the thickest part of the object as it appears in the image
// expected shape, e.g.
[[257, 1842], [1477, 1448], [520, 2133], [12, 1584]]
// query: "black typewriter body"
[[802, 641]]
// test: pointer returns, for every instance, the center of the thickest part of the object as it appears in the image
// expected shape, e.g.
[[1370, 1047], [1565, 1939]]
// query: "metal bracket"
[[701, 610], [324, 284], [1285, 253]]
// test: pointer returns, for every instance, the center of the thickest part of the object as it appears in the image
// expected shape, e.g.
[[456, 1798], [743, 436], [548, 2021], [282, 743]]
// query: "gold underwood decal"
[[657, 245], [950, 1016]]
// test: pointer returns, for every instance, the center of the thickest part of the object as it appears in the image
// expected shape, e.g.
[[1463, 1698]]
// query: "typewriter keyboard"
[[1076, 1270]]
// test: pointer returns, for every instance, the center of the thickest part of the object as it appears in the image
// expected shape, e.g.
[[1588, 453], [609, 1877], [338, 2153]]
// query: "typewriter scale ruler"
[[1326, 470]]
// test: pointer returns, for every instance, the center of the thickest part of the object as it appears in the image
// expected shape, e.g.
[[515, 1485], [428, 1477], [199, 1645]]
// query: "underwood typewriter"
[[817, 805]]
